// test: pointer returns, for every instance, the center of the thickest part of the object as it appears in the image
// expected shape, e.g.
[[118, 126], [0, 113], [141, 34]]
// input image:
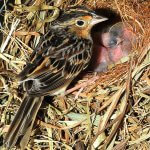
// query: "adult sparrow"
[[62, 53]]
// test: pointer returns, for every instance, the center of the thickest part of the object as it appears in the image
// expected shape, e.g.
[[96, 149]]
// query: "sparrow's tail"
[[20, 129]]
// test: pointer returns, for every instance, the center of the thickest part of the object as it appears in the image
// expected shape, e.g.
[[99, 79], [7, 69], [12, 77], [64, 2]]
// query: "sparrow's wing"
[[55, 62]]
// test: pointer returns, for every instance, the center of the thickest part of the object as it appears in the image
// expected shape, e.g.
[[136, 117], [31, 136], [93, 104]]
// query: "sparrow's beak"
[[97, 19]]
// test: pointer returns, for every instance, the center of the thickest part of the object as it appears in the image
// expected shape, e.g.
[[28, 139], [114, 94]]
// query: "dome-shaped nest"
[[107, 110]]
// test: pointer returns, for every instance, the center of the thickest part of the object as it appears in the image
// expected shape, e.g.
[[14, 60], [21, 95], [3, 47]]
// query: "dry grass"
[[108, 110]]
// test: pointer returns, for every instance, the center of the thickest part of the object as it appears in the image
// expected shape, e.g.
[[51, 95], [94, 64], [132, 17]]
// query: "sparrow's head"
[[79, 20]]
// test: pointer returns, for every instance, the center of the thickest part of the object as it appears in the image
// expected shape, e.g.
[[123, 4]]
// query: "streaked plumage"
[[62, 53]]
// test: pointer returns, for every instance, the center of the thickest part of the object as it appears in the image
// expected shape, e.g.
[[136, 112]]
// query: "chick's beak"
[[97, 19]]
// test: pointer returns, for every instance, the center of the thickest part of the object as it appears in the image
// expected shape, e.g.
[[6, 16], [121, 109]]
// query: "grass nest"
[[108, 110]]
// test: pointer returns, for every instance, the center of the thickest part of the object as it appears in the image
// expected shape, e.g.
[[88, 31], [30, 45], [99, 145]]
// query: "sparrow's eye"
[[80, 23]]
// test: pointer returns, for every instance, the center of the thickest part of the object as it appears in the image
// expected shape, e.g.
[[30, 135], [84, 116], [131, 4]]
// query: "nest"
[[108, 110]]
